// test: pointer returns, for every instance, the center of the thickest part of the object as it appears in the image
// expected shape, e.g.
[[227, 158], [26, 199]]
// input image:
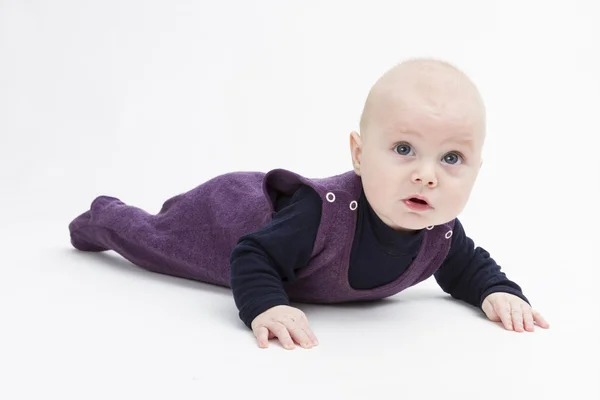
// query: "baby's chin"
[[415, 222], [407, 224]]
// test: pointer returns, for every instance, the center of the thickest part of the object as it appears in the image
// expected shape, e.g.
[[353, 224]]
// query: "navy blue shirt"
[[262, 260]]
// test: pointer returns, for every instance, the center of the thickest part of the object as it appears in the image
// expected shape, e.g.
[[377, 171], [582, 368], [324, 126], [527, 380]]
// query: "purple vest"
[[325, 279], [194, 233]]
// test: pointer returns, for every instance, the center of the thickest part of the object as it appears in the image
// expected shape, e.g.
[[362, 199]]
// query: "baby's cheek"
[[458, 201], [375, 193]]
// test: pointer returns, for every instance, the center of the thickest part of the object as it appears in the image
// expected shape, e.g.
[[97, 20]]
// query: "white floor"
[[79, 325]]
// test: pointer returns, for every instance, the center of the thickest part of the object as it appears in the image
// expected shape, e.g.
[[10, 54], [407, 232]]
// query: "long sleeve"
[[470, 274], [263, 260]]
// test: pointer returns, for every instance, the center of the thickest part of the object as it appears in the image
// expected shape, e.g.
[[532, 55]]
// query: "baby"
[[388, 224]]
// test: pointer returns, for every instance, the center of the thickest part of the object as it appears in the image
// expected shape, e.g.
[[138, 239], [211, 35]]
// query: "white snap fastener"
[[429, 228], [330, 197], [353, 205], [448, 234]]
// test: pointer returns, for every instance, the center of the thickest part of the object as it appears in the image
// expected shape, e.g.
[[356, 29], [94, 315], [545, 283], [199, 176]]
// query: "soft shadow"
[[115, 261], [110, 259], [477, 312], [222, 310], [401, 299]]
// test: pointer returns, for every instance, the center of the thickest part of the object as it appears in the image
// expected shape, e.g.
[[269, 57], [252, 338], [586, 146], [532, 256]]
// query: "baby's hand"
[[512, 311], [285, 323]]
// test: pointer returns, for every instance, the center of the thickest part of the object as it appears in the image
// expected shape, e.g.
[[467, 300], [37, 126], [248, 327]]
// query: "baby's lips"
[[419, 197]]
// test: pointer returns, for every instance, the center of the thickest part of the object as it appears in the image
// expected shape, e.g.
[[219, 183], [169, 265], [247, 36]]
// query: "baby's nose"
[[428, 179]]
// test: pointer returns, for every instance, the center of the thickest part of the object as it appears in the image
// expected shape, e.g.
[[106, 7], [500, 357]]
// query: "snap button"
[[330, 197], [353, 205], [448, 234], [429, 228]]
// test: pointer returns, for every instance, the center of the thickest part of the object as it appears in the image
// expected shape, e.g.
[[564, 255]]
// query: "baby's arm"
[[471, 275], [263, 260]]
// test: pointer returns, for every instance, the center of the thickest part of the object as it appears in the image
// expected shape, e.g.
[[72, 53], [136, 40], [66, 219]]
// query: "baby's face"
[[417, 146]]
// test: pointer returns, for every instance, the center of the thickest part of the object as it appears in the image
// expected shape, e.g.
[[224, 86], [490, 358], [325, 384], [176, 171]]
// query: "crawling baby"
[[386, 224]]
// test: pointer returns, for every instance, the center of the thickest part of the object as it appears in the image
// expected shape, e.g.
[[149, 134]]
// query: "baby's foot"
[[82, 231], [77, 229]]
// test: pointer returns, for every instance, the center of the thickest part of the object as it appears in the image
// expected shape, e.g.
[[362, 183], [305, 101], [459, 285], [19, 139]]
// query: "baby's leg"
[[132, 232]]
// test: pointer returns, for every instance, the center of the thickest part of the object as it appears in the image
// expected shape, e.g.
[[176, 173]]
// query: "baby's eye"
[[452, 158], [403, 149]]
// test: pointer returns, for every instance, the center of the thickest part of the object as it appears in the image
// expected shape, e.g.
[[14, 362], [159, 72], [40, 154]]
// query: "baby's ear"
[[355, 150]]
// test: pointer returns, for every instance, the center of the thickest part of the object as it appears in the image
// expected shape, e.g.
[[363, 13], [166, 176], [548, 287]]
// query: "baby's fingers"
[[517, 317], [302, 334], [540, 320], [528, 319], [262, 336], [502, 308], [281, 331], [311, 336]]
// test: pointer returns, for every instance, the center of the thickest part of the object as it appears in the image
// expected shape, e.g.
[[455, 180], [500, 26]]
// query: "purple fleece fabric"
[[193, 234]]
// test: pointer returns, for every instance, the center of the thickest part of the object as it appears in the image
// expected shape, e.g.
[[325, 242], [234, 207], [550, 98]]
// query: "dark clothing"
[[264, 259], [278, 237]]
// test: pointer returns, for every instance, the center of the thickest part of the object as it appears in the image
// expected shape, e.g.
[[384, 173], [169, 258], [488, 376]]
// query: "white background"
[[145, 99]]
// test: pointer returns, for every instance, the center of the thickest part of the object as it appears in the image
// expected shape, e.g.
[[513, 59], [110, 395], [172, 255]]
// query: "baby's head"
[[421, 133]]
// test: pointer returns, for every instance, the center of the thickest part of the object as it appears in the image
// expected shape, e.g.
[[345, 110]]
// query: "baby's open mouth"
[[418, 201]]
